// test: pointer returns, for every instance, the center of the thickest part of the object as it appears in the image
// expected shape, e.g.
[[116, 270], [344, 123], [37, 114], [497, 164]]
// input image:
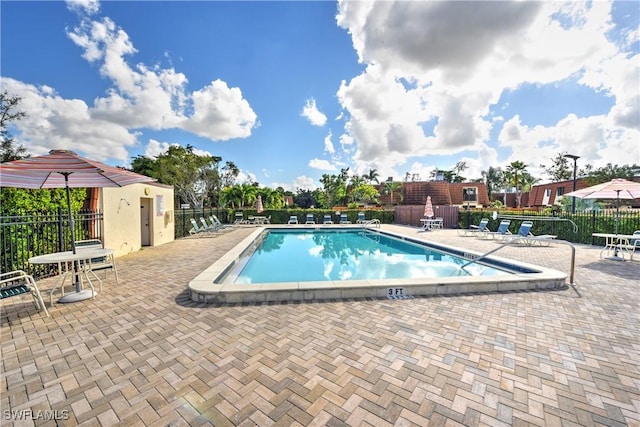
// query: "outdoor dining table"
[[428, 223], [77, 260], [616, 243], [259, 220]]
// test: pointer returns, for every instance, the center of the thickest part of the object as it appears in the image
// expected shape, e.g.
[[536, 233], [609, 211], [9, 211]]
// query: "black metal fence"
[[183, 218], [26, 236], [576, 228]]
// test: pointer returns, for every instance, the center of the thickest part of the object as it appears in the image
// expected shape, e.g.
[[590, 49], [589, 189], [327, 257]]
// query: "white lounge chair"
[[503, 230], [327, 220], [525, 237], [293, 220], [480, 228], [16, 283], [344, 219], [361, 218], [310, 219]]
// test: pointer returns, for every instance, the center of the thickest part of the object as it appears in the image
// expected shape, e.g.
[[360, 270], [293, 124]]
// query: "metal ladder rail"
[[509, 242], [375, 222]]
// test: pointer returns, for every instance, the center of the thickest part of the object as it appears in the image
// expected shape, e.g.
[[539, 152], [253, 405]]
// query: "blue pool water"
[[322, 255]]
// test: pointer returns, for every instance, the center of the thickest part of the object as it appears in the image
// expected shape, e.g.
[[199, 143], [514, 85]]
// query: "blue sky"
[[291, 90]]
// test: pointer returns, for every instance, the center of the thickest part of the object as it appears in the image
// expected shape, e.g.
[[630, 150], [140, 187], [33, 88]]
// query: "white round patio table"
[[69, 257]]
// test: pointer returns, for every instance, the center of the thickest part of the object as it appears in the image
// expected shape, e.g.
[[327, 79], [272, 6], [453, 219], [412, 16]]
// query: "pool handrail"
[[509, 242]]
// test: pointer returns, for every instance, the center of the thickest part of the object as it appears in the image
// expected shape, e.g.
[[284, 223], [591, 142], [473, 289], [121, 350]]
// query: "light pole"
[[575, 169]]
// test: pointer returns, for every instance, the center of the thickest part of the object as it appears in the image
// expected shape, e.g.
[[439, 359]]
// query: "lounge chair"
[[239, 218], [503, 230], [327, 220], [344, 219], [310, 219], [197, 229], [525, 237], [293, 220], [220, 226], [361, 218], [16, 283], [480, 228], [213, 227]]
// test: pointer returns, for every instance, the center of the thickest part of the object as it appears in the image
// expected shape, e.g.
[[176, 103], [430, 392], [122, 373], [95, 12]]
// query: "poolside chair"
[[503, 229], [197, 229], [310, 219], [211, 228], [327, 220], [436, 224], [220, 226], [293, 220], [344, 219], [525, 237], [632, 246], [239, 218], [480, 228], [361, 218], [103, 263], [16, 283]]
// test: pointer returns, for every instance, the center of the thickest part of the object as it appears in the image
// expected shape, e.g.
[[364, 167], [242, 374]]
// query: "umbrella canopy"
[[65, 169], [428, 208], [62, 168], [260, 207], [614, 189]]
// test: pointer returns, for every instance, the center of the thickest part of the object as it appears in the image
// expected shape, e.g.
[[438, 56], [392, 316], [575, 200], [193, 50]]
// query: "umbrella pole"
[[76, 276]]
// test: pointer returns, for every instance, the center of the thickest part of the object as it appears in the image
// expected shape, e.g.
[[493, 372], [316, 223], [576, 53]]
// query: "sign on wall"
[[159, 205]]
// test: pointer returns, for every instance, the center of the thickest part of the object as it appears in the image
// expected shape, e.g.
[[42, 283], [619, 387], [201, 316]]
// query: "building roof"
[[537, 193], [442, 193]]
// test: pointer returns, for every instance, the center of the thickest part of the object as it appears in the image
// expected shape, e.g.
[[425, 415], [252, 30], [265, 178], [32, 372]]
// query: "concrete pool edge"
[[204, 288]]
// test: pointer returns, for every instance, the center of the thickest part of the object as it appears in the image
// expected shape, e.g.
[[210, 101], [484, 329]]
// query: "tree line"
[[207, 181]]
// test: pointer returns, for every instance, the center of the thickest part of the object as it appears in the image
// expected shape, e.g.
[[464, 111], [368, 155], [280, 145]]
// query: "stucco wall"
[[122, 216]]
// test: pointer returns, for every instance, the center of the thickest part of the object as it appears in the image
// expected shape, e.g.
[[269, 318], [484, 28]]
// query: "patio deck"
[[142, 353]]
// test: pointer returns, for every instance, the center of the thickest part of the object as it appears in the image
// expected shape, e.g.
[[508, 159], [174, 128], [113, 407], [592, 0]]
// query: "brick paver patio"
[[142, 353]]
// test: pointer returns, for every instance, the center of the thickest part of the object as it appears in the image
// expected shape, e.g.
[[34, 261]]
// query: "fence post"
[[60, 234]]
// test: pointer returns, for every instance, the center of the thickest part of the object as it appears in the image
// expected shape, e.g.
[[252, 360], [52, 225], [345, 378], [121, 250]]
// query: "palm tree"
[[249, 194], [492, 177], [391, 187], [514, 171], [372, 176]]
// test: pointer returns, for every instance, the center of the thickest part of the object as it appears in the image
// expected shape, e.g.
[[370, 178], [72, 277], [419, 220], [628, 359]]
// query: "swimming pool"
[[304, 255], [350, 262]]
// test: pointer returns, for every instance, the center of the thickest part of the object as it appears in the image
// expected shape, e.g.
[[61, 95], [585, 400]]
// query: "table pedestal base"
[[78, 296], [615, 258]]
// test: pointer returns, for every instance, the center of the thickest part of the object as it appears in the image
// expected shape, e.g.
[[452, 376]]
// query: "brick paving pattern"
[[142, 353]]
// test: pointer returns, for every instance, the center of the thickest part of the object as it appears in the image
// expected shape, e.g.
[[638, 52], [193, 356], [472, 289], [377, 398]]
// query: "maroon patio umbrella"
[[65, 169]]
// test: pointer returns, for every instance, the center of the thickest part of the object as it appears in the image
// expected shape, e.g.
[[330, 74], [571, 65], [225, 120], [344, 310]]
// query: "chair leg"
[[35, 292]]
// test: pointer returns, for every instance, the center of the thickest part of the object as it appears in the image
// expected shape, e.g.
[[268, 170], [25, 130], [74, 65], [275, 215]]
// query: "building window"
[[470, 194], [560, 191], [547, 192]]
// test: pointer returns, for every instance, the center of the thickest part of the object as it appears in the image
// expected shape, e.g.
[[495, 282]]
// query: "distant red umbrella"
[[65, 169], [428, 208], [260, 207]]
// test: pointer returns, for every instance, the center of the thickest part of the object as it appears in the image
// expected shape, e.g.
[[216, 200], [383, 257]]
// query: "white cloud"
[[140, 98], [304, 183], [320, 164], [311, 112], [155, 148], [53, 122], [89, 7], [434, 70], [328, 145]]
